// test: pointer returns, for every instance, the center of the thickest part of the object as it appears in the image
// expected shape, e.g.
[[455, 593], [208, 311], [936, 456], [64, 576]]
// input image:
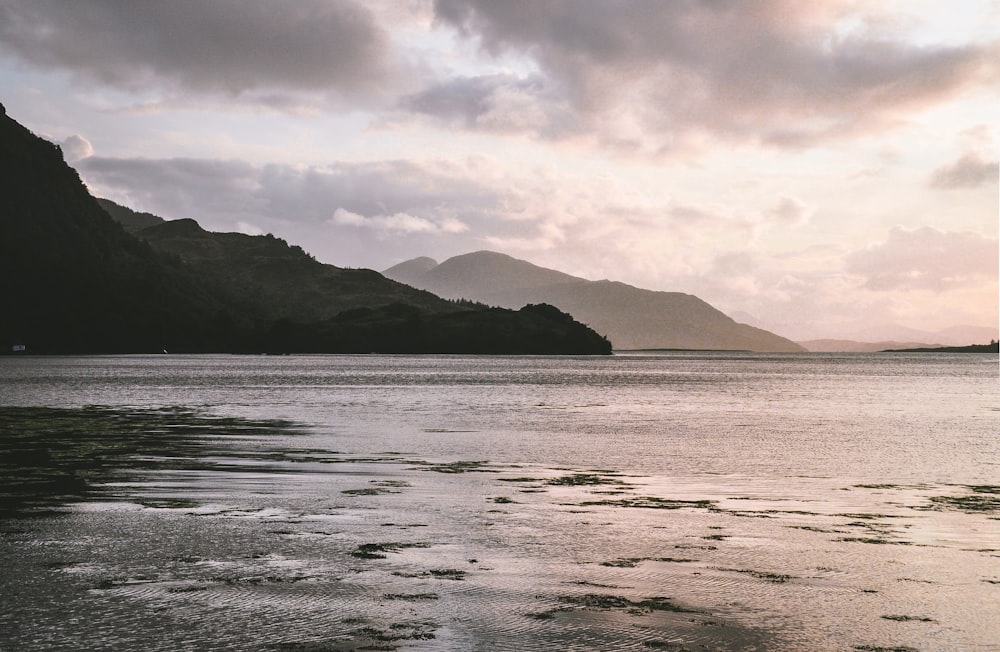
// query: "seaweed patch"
[[378, 550], [604, 601], [584, 479], [632, 562], [979, 501], [479, 466], [649, 502], [776, 578]]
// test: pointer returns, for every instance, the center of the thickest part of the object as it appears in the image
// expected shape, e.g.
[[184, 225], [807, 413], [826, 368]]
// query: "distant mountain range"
[[992, 347], [851, 346], [867, 336], [90, 276], [76, 281], [632, 318]]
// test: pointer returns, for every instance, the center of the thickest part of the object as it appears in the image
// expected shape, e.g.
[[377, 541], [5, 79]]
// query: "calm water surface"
[[677, 501]]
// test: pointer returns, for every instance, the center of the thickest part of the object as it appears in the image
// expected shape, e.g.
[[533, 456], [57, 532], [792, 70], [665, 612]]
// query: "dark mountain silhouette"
[[266, 276], [77, 282], [74, 279], [130, 220], [632, 318], [532, 330]]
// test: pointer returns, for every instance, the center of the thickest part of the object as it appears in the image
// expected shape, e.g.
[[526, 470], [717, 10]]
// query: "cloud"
[[668, 75], [75, 148], [437, 208], [398, 222], [494, 103], [634, 75], [358, 214], [925, 259], [969, 171], [376, 214], [789, 211], [249, 229], [176, 188], [181, 187], [812, 294], [229, 47]]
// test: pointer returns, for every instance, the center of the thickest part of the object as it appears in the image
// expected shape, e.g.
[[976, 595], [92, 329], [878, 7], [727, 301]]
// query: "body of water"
[[634, 502]]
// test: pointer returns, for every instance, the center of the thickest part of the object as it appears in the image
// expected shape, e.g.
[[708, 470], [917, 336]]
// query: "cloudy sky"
[[820, 168]]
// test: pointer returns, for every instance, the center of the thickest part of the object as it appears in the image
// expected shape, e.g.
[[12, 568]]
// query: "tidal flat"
[[166, 529], [683, 501]]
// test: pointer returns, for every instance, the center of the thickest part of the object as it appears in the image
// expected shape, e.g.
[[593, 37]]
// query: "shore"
[[171, 529]]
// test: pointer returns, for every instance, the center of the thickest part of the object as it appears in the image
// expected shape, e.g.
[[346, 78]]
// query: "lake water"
[[634, 502]]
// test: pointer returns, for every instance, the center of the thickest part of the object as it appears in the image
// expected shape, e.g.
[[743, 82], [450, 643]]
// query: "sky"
[[820, 169]]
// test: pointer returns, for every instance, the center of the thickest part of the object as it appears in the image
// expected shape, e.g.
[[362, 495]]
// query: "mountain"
[[851, 346], [532, 330], [77, 282], [484, 274], [883, 337], [265, 275], [862, 334], [992, 347], [962, 335], [631, 317], [355, 310], [74, 280], [412, 270], [130, 220]]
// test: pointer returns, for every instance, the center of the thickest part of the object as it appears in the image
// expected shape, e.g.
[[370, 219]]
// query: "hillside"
[[411, 271], [353, 310], [485, 274], [631, 317], [532, 330], [265, 275], [75, 280], [132, 221], [79, 283]]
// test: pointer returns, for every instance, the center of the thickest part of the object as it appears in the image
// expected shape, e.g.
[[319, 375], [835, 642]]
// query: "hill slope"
[[77, 282], [265, 275], [320, 307], [130, 220], [486, 273], [632, 318]]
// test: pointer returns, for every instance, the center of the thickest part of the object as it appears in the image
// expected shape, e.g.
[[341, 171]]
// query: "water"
[[681, 501]]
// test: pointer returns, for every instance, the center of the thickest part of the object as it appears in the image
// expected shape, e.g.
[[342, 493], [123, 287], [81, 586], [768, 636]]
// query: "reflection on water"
[[54, 456], [499, 521]]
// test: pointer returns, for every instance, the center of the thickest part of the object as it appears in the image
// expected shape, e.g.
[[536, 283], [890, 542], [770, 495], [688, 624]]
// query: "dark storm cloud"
[[970, 171], [219, 46], [463, 98], [633, 74], [496, 103], [775, 71]]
